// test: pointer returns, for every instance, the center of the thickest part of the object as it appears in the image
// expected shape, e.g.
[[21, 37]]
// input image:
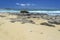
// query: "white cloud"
[[22, 4], [27, 4], [17, 4]]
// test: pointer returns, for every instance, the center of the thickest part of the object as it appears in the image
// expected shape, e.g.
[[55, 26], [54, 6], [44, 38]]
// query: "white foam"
[[45, 11]]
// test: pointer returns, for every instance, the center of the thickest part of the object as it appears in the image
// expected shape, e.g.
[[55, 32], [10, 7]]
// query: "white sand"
[[18, 31]]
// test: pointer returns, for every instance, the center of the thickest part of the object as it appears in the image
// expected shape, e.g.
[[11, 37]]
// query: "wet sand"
[[27, 31]]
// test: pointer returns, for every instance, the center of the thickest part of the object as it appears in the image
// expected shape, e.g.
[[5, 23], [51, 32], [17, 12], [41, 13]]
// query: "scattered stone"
[[58, 30], [31, 31], [32, 22], [23, 20], [28, 17], [12, 21], [41, 33], [47, 24], [23, 23], [56, 21], [2, 16]]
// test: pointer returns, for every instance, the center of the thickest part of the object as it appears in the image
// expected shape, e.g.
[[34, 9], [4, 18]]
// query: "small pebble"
[[30, 31], [58, 30], [41, 33]]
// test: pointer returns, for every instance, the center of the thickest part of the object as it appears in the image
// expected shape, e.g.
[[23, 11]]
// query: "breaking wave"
[[40, 11]]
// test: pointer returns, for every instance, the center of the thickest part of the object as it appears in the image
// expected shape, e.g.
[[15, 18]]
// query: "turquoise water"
[[54, 12], [12, 11]]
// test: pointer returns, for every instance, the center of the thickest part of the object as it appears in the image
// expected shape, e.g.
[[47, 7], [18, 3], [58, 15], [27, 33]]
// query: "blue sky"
[[43, 4]]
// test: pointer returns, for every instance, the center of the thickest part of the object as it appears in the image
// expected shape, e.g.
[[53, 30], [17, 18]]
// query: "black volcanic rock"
[[24, 11]]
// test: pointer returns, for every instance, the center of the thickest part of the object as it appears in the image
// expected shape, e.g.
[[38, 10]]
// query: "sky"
[[37, 4]]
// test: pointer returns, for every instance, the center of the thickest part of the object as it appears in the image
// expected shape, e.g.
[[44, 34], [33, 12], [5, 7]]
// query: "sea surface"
[[50, 12]]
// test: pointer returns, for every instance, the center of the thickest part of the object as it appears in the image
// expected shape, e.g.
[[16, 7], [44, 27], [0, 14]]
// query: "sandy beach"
[[27, 31]]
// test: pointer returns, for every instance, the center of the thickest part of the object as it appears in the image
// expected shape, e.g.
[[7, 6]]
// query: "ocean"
[[50, 12]]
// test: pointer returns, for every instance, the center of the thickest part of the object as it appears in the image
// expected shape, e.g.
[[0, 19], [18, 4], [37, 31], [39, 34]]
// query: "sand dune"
[[27, 31]]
